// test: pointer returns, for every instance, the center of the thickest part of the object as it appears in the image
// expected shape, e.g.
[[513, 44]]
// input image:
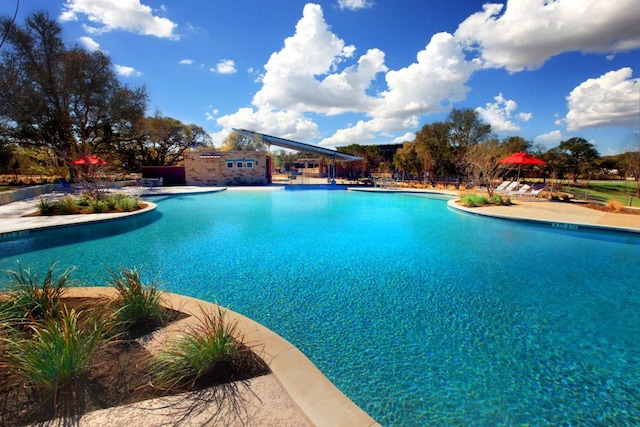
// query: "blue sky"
[[337, 72]]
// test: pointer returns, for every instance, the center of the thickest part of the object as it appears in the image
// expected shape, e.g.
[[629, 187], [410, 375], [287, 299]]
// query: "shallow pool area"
[[419, 314]]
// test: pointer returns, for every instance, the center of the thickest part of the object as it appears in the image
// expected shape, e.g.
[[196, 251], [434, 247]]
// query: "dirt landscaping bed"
[[120, 373]]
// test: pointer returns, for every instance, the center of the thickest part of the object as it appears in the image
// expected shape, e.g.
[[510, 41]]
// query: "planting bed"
[[120, 373]]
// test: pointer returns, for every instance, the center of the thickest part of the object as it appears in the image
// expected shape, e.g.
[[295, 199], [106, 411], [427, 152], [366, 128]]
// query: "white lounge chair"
[[512, 186], [502, 186]]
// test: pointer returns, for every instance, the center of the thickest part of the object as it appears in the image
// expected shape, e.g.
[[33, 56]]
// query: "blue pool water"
[[420, 314]]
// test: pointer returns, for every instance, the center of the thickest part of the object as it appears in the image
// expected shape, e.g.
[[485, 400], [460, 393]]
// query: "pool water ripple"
[[420, 315]]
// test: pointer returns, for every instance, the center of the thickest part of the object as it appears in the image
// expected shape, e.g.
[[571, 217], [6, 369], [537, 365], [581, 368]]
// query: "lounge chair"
[[64, 186], [523, 190], [512, 186], [537, 189], [502, 186]]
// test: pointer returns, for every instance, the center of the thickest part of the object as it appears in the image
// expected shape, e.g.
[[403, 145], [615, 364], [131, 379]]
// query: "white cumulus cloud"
[[550, 139], [186, 62], [501, 114], [89, 44], [123, 70], [612, 99], [431, 84], [355, 4], [126, 15], [286, 124], [317, 72], [226, 66], [525, 33], [303, 74]]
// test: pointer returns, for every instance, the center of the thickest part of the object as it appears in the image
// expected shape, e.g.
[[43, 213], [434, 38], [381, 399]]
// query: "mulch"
[[608, 209]]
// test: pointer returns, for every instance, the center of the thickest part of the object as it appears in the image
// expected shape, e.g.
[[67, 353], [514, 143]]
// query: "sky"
[[340, 72]]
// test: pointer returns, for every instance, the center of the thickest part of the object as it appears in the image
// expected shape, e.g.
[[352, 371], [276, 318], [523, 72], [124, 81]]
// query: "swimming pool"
[[419, 314]]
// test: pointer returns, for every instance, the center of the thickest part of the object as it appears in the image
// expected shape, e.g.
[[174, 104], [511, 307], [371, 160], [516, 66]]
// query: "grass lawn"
[[604, 191]]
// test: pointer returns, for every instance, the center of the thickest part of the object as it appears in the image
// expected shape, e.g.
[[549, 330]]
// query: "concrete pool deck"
[[296, 393]]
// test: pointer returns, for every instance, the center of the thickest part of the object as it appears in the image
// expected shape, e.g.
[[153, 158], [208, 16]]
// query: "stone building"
[[221, 168]]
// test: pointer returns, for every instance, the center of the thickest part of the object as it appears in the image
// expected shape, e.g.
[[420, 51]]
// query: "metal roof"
[[295, 145]]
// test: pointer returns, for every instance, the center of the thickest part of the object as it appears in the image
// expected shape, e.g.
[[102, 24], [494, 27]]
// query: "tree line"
[[463, 148], [58, 103]]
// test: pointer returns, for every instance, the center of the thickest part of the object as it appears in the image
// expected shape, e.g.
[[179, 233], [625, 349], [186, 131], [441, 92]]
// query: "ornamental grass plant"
[[474, 200], [54, 356], [137, 302], [26, 297], [212, 344], [88, 203]]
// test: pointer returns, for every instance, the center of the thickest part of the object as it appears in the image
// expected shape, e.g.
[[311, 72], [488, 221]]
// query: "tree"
[[371, 157], [406, 159], [238, 142], [66, 101], [481, 162], [515, 144], [581, 156], [632, 160], [432, 142], [466, 128], [160, 141]]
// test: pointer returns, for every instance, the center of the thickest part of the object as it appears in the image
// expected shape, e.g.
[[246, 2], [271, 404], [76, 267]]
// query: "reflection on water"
[[29, 241]]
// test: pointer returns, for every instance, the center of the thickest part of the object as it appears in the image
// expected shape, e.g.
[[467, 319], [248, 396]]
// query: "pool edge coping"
[[453, 204]]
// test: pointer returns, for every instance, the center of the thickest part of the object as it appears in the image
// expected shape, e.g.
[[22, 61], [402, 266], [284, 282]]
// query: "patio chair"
[[537, 189], [64, 186], [523, 190], [502, 186], [512, 186]]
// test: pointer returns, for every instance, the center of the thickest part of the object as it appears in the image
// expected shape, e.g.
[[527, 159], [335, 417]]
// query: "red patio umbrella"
[[89, 159], [521, 158]]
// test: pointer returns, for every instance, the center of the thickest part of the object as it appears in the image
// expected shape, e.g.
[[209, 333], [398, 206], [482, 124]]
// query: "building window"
[[229, 165], [249, 165], [239, 165]]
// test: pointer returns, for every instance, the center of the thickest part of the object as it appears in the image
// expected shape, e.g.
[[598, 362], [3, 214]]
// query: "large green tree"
[[67, 102], [159, 141], [580, 157], [371, 157], [432, 145], [238, 142]]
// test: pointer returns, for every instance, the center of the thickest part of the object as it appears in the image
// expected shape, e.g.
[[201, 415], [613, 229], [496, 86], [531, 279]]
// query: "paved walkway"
[[558, 213]]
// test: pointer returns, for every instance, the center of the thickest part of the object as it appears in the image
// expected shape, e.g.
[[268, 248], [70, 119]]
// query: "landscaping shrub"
[[45, 207], [615, 205], [203, 349], [126, 203], [68, 205], [98, 206], [474, 200]]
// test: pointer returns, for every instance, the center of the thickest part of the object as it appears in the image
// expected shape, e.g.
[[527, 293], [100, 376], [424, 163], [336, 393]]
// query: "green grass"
[[196, 354], [605, 191]]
